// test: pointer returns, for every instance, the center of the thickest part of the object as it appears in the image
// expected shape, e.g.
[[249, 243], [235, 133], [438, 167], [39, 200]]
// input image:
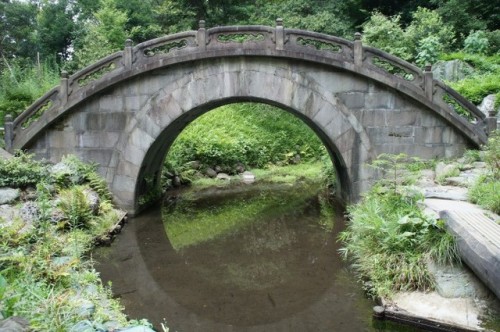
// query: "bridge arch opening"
[[186, 92], [257, 112]]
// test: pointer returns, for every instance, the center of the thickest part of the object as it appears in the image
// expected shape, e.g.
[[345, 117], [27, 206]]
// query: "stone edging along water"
[[461, 296]]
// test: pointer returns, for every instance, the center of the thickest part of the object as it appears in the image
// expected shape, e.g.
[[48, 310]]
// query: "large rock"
[[9, 195], [93, 201], [453, 70], [211, 172], [488, 105], [29, 212], [14, 324]]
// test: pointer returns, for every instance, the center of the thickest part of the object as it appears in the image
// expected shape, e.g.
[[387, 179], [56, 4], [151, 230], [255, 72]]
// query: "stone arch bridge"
[[124, 111]]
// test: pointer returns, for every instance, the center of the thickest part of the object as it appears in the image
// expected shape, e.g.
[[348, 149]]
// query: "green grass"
[[485, 80], [389, 239], [271, 174], [486, 190], [21, 85], [486, 193]]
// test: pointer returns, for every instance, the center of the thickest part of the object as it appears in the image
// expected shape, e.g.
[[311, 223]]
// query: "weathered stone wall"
[[128, 128]]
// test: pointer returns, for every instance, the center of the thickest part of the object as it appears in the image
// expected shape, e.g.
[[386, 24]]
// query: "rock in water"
[[247, 177], [223, 176]]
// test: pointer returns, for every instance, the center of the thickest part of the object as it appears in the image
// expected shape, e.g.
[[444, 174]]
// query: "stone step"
[[478, 239]]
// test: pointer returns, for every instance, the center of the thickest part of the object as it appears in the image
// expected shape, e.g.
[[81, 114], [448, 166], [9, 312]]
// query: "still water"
[[251, 258]]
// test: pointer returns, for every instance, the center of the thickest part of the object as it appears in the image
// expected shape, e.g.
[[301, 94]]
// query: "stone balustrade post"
[[127, 54], [63, 92], [491, 121], [358, 50], [8, 132], [428, 82], [201, 35], [279, 35]]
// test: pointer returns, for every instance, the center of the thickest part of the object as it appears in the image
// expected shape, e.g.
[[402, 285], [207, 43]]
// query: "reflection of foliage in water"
[[327, 213], [256, 276], [190, 221], [270, 236]]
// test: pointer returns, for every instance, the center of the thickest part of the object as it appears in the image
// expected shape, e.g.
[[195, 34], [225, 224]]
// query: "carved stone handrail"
[[164, 46], [444, 92], [252, 40], [250, 35], [331, 46], [381, 61], [49, 97]]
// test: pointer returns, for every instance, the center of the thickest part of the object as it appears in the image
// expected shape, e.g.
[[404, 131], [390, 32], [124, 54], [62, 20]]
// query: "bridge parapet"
[[249, 41]]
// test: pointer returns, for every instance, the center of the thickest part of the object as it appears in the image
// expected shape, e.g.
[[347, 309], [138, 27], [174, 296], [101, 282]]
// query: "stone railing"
[[247, 40]]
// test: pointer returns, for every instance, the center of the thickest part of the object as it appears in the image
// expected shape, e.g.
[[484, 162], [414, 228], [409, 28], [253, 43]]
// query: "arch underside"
[[128, 128]]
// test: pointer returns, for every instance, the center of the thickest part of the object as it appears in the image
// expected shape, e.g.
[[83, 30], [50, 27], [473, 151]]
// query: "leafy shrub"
[[423, 40], [428, 50], [75, 206], [21, 171], [428, 23], [486, 79], [476, 42], [493, 42], [76, 172], [386, 34]]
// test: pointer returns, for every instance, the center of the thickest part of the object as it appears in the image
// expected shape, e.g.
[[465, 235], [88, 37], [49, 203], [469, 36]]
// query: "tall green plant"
[[22, 83], [389, 238]]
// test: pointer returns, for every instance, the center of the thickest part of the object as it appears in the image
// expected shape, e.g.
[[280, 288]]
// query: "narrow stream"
[[250, 258]]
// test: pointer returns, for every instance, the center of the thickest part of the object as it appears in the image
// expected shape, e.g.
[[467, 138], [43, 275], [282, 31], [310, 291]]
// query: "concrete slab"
[[457, 311]]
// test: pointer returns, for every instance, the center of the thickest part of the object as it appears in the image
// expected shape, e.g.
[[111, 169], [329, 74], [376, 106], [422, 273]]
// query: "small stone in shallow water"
[[247, 177], [223, 176]]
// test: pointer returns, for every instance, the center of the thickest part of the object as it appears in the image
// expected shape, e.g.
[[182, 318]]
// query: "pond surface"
[[243, 259]]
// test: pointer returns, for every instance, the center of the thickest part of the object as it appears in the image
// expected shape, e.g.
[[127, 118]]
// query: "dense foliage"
[[45, 274], [254, 135], [39, 37]]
